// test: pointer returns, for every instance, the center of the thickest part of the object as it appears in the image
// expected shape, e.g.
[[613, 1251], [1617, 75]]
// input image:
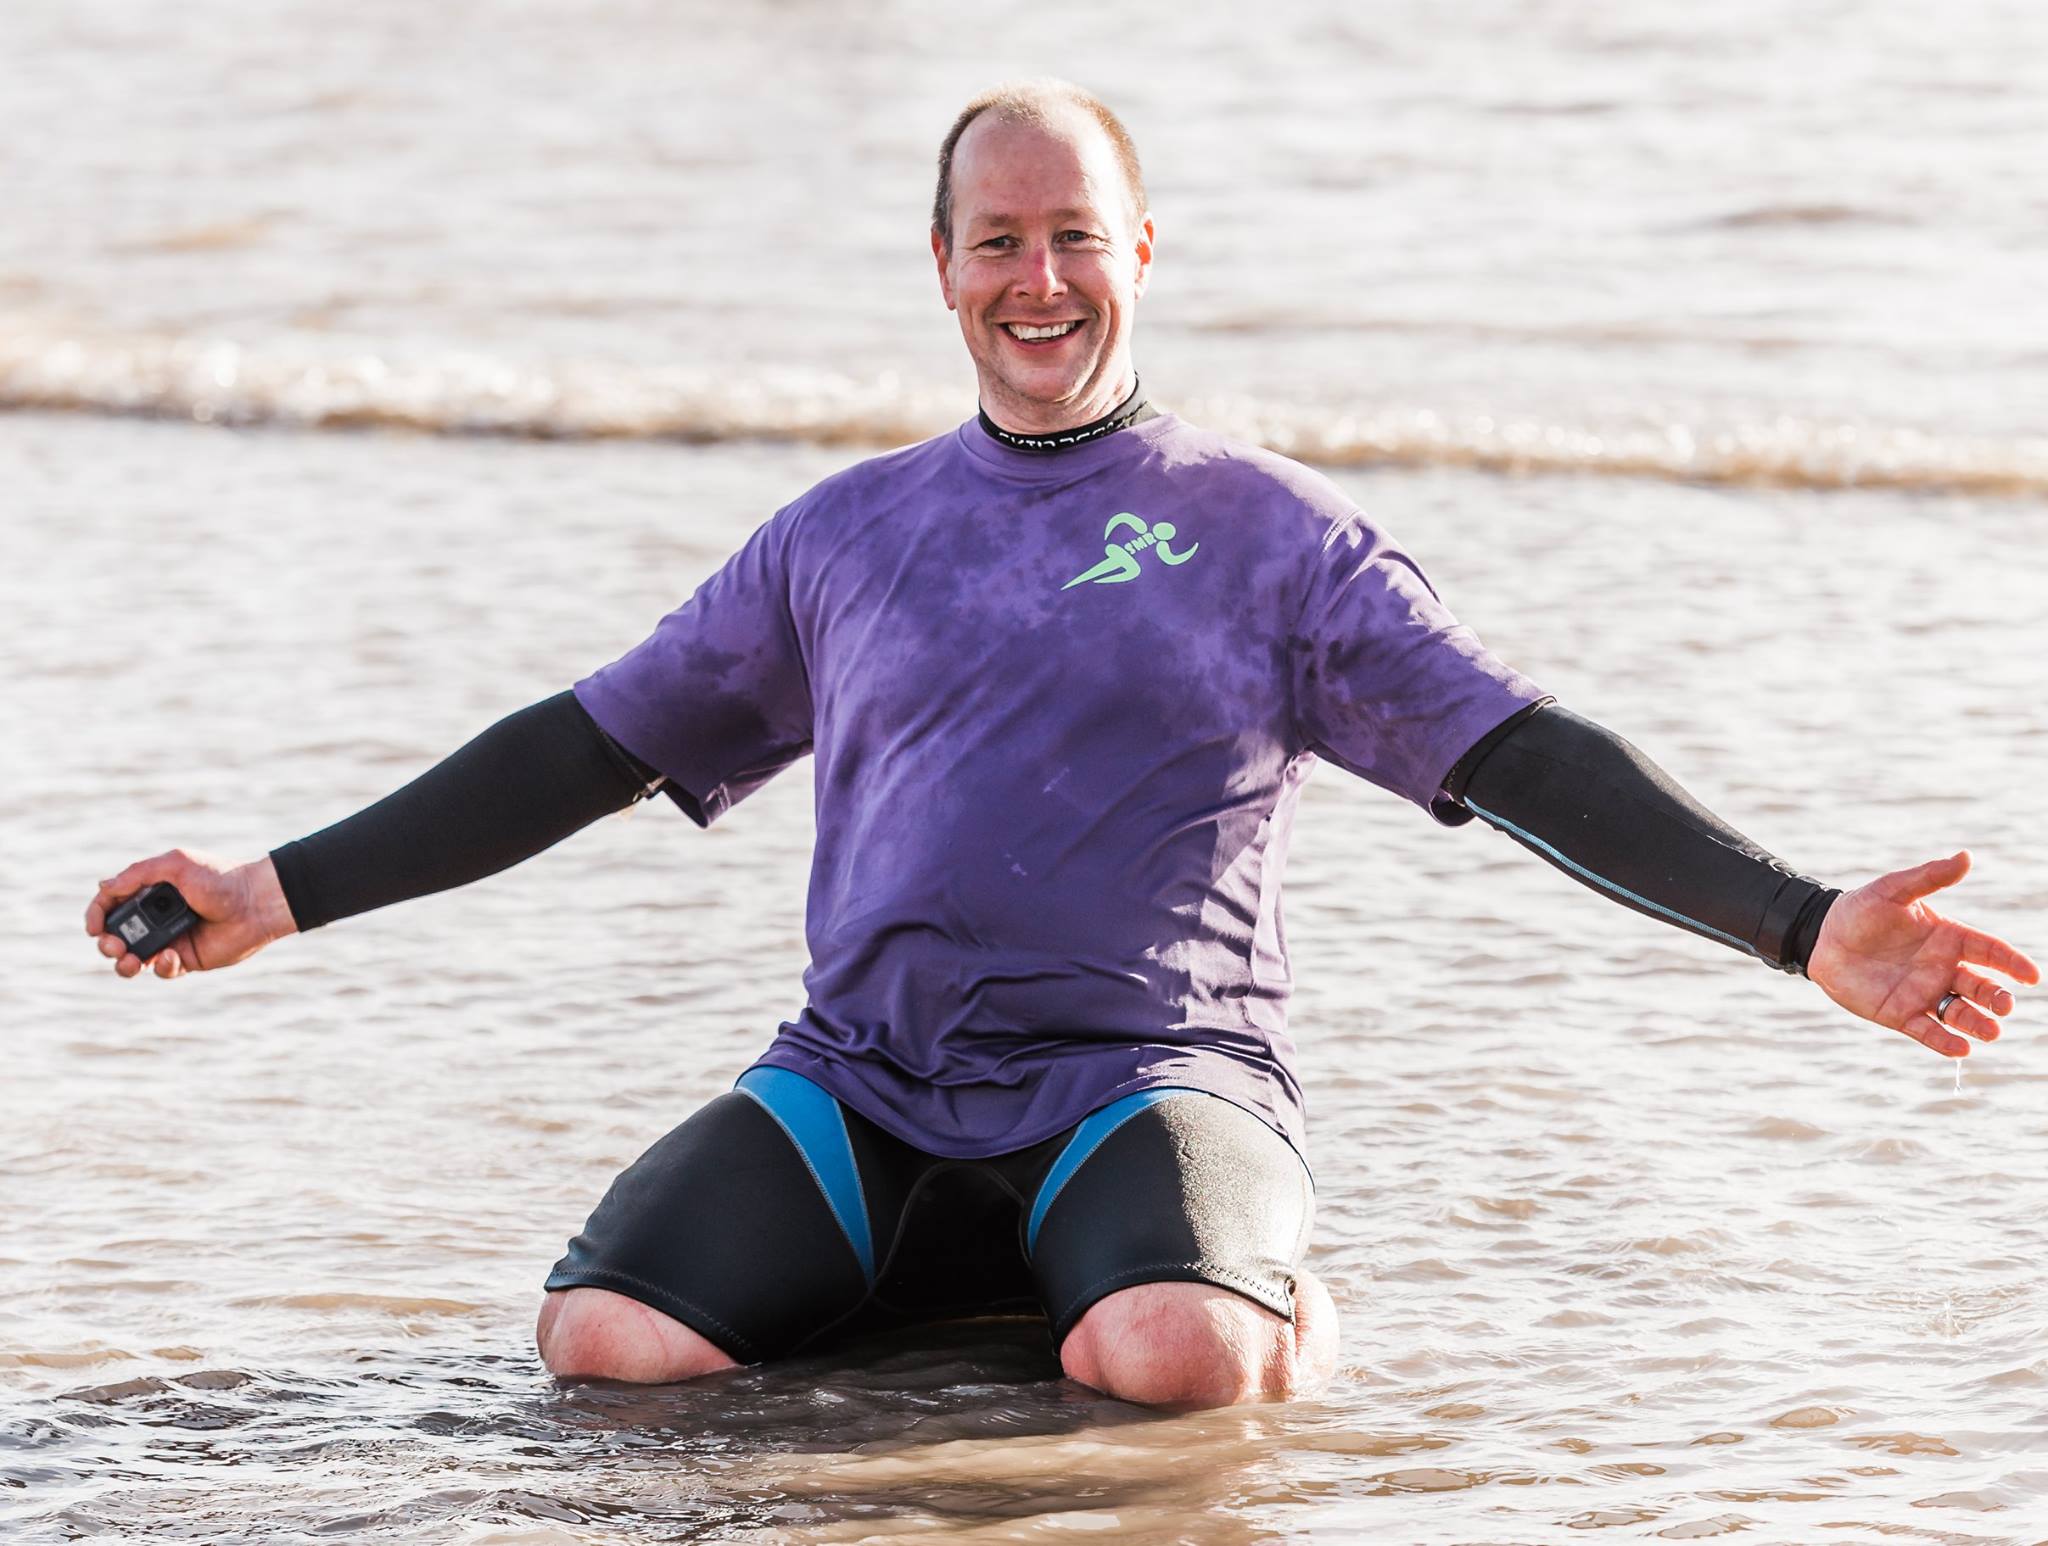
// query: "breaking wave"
[[216, 382]]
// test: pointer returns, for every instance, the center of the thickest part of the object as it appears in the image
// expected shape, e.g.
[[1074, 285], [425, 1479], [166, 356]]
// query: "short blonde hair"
[[1037, 102]]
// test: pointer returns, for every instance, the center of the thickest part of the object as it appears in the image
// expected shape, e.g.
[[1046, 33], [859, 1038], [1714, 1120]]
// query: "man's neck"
[[1132, 410]]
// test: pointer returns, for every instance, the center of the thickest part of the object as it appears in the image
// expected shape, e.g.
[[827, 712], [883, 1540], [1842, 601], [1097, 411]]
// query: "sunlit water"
[[1626, 1232], [1660, 238]]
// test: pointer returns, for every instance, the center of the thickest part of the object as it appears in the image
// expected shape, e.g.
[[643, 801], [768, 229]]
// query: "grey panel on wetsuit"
[[1190, 1189]]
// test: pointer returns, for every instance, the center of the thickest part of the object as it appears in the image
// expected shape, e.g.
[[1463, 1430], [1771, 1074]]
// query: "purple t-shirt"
[[1062, 707]]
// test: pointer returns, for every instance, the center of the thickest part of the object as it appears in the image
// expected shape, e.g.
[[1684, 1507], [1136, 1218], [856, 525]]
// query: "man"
[[1063, 670]]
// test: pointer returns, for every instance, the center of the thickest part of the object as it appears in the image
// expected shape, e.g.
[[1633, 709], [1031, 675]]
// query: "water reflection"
[[959, 1427]]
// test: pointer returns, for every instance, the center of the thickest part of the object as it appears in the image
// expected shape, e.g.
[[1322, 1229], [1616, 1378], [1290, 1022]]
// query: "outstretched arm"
[[1597, 808], [520, 787]]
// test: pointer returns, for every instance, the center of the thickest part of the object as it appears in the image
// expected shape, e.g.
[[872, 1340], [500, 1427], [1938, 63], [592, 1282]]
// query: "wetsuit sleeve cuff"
[[1804, 933], [295, 879]]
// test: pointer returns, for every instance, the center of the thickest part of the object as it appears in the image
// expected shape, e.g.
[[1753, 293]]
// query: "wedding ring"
[[1941, 1009]]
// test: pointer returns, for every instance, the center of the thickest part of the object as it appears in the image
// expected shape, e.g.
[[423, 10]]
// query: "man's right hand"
[[241, 909]]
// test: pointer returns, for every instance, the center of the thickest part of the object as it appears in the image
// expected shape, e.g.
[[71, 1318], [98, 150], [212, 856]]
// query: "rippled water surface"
[[1624, 1229], [1627, 1233]]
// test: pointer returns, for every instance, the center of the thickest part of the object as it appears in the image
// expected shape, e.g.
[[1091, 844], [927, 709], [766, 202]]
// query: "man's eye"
[[1077, 236], [996, 241]]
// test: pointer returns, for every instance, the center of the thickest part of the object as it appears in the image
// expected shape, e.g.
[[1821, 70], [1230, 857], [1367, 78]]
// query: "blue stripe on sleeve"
[[1605, 884]]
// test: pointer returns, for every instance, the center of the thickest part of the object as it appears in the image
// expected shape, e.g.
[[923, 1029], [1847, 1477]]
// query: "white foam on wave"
[[287, 383]]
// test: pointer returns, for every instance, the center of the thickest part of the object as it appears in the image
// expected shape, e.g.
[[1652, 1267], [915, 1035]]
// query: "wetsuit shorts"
[[776, 1219]]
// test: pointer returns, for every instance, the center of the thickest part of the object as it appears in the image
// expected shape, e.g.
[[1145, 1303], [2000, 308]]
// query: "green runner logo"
[[1120, 559]]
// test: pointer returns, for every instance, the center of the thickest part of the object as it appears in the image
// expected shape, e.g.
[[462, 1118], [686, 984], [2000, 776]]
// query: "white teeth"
[[1057, 330]]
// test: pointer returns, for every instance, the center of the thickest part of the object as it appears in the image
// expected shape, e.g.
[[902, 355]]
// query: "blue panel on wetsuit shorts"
[[817, 1127], [1095, 1127]]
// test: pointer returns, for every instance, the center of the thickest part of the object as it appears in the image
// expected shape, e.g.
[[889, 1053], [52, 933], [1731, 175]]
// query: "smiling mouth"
[[1032, 333]]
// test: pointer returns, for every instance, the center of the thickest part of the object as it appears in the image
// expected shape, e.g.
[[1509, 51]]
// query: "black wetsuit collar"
[[1132, 410]]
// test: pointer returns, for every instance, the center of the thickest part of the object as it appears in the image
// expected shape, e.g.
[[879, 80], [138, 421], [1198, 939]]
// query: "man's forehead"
[[1006, 162]]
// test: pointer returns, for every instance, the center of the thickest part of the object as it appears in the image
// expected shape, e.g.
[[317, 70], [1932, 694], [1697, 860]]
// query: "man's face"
[[1045, 270]]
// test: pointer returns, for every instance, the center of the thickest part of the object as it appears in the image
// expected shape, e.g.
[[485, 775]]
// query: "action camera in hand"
[[151, 919]]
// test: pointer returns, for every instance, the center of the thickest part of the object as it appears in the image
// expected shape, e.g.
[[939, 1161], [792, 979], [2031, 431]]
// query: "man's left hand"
[[1884, 954]]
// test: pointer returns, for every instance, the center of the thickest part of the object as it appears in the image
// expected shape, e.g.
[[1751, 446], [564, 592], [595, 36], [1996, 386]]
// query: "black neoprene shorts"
[[776, 1218]]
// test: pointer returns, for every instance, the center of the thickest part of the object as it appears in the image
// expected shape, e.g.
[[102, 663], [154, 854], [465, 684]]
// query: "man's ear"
[[942, 257], [1144, 248]]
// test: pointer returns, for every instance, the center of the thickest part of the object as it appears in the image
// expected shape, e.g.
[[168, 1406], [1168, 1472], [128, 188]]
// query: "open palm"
[[1884, 954]]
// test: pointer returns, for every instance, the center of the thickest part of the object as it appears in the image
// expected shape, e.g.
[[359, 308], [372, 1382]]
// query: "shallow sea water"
[[1627, 1234], [1624, 1230]]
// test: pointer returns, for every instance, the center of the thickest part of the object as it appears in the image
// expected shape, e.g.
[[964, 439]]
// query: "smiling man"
[[1043, 1061], [1043, 256]]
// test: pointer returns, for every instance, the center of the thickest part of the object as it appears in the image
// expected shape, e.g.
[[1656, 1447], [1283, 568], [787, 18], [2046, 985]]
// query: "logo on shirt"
[[1120, 559]]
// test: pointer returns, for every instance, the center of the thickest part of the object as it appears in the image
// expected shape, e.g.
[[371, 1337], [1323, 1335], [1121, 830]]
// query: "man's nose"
[[1039, 276]]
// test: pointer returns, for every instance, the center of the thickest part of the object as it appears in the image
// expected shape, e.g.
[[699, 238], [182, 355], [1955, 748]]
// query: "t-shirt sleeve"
[[718, 697], [1387, 683]]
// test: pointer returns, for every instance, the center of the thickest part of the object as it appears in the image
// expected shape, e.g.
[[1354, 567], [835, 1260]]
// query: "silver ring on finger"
[[1941, 1009]]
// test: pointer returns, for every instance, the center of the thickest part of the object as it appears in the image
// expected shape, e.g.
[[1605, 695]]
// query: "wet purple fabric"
[[1062, 708]]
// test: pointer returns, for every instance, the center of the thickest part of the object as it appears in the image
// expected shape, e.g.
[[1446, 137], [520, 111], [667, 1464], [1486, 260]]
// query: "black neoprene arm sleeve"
[[1598, 809], [523, 785]]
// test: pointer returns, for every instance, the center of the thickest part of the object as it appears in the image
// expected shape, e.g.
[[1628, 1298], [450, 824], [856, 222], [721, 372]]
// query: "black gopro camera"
[[151, 919]]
